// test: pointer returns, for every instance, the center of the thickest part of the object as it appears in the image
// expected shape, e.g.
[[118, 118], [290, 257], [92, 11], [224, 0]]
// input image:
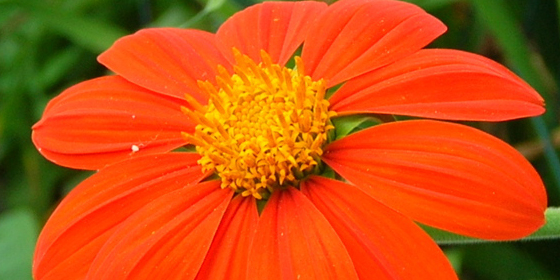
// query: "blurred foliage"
[[49, 45]]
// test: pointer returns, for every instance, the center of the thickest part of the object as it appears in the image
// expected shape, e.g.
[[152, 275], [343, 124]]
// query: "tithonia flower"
[[216, 160]]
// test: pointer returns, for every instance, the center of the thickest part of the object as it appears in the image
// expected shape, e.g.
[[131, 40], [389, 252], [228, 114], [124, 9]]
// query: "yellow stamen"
[[194, 103], [264, 126]]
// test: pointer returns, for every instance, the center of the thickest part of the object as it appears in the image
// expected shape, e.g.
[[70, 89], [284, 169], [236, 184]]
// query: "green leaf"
[[211, 6], [432, 4], [93, 34], [347, 124], [503, 261], [558, 12], [58, 65], [18, 232]]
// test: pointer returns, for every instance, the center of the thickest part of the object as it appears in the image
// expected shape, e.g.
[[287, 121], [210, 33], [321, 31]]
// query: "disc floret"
[[264, 126]]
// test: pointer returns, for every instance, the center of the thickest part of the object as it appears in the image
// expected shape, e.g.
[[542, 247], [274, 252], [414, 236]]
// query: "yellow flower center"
[[264, 126]]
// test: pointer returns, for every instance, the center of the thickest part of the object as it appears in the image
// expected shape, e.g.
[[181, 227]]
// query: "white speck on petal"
[[135, 148], [133, 116]]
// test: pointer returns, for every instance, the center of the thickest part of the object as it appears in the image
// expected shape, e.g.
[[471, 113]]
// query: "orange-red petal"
[[92, 212], [443, 84], [445, 175], [168, 238], [108, 119], [353, 37], [229, 252], [275, 27], [382, 243], [295, 241], [166, 60]]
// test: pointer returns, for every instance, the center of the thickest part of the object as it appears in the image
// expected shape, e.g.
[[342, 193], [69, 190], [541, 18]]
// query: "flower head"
[[264, 128], [217, 161]]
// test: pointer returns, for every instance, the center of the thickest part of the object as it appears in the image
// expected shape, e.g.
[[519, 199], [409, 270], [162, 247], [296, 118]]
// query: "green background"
[[49, 45]]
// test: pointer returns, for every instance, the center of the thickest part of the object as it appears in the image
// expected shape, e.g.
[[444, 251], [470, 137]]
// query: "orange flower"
[[198, 132]]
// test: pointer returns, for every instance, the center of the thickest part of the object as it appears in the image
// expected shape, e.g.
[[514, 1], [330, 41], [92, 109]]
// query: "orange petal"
[[168, 238], [276, 27], [353, 37], [443, 84], [91, 213], [166, 60], [445, 175], [382, 243], [229, 252], [108, 119], [295, 241]]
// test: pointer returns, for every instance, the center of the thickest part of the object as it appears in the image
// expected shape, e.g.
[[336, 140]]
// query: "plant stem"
[[551, 230]]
